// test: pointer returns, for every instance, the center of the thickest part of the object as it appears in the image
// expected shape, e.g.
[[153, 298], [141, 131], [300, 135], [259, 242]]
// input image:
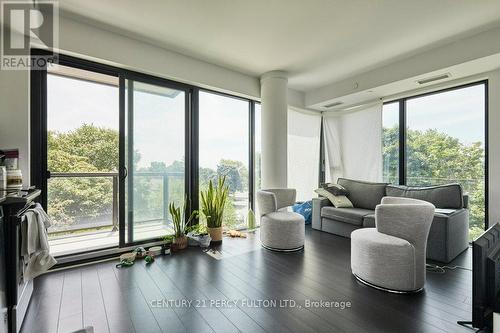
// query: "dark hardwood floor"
[[135, 299]]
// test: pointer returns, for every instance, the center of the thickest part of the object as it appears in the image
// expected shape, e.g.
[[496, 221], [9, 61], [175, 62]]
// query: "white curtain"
[[353, 144], [303, 152]]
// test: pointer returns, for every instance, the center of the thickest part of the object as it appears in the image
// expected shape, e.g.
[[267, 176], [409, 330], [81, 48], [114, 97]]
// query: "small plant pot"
[[215, 234], [180, 243], [164, 249], [205, 240]]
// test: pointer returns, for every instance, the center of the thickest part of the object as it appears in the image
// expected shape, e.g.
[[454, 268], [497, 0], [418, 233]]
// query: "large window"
[[444, 142], [112, 148], [224, 151]]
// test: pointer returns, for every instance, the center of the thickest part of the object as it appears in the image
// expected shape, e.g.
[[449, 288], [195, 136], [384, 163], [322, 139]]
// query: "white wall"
[[15, 115], [84, 40], [494, 146]]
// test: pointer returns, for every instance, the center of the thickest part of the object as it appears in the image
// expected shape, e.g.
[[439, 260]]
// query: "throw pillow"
[[339, 201], [336, 189]]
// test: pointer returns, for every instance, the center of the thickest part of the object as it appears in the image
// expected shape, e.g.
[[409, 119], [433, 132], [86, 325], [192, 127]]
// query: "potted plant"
[[198, 235], [251, 225], [213, 201], [180, 224]]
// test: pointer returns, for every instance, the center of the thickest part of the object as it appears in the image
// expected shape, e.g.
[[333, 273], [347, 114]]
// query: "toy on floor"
[[237, 234], [140, 252], [124, 263], [127, 259]]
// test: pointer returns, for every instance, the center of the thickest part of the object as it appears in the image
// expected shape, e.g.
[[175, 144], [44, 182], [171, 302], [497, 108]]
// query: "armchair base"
[[300, 248], [366, 283]]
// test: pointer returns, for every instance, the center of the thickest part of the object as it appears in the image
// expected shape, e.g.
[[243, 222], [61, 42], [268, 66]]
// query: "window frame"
[[403, 128], [251, 144], [38, 130]]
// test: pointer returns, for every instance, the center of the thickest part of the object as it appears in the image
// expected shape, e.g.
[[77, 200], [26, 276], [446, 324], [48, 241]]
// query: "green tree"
[[435, 158], [95, 145], [236, 174], [86, 149]]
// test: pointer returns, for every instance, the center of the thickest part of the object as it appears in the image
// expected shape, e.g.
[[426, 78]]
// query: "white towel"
[[35, 248], [30, 238]]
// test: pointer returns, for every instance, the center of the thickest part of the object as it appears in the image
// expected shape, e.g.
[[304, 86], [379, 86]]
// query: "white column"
[[273, 93]]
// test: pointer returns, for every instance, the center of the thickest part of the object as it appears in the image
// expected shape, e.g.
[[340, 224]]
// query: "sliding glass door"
[[154, 150], [112, 148], [82, 159]]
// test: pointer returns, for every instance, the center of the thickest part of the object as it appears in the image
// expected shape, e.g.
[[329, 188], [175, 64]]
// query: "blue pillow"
[[304, 209]]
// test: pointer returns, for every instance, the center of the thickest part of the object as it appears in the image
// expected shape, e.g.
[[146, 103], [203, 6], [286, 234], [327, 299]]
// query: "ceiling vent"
[[331, 105], [434, 78]]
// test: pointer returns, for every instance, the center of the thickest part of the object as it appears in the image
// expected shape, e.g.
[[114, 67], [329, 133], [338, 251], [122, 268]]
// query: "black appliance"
[[486, 277], [17, 291], [3, 288]]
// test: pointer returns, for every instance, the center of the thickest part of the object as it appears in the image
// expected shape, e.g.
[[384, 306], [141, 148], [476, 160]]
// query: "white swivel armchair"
[[392, 255], [280, 230]]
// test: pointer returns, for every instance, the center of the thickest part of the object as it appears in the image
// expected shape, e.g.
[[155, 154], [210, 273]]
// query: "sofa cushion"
[[362, 194], [441, 196], [347, 215]]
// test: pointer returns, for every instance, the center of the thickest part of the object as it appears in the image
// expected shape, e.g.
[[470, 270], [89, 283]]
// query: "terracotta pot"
[[180, 243], [215, 234]]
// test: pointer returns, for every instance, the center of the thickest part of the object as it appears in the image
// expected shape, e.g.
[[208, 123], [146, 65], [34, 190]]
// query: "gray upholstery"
[[442, 196], [338, 228], [318, 204], [382, 260], [449, 236], [365, 195], [392, 255], [279, 229], [369, 221], [346, 215], [271, 200], [449, 233]]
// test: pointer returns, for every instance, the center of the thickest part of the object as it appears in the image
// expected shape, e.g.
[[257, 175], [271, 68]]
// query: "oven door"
[[3, 299]]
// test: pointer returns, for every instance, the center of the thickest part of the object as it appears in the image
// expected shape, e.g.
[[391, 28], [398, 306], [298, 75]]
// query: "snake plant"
[[213, 201], [178, 215]]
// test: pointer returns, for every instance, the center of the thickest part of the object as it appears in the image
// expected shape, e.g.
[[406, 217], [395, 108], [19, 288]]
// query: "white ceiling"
[[318, 42]]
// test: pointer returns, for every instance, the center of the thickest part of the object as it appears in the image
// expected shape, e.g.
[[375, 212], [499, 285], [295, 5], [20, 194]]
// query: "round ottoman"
[[282, 231]]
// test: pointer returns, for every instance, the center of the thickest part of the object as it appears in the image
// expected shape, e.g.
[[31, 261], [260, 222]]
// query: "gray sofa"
[[449, 233]]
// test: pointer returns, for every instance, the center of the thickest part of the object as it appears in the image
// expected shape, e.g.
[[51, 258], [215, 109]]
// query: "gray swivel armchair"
[[280, 230], [392, 255]]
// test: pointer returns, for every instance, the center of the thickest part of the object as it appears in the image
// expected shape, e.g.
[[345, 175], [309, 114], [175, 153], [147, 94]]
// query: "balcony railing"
[[108, 217]]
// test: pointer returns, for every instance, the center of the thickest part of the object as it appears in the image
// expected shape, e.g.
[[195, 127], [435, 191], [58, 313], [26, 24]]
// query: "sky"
[[158, 120], [459, 113]]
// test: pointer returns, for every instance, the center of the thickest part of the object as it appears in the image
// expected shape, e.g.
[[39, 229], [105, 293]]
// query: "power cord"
[[468, 324], [442, 269]]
